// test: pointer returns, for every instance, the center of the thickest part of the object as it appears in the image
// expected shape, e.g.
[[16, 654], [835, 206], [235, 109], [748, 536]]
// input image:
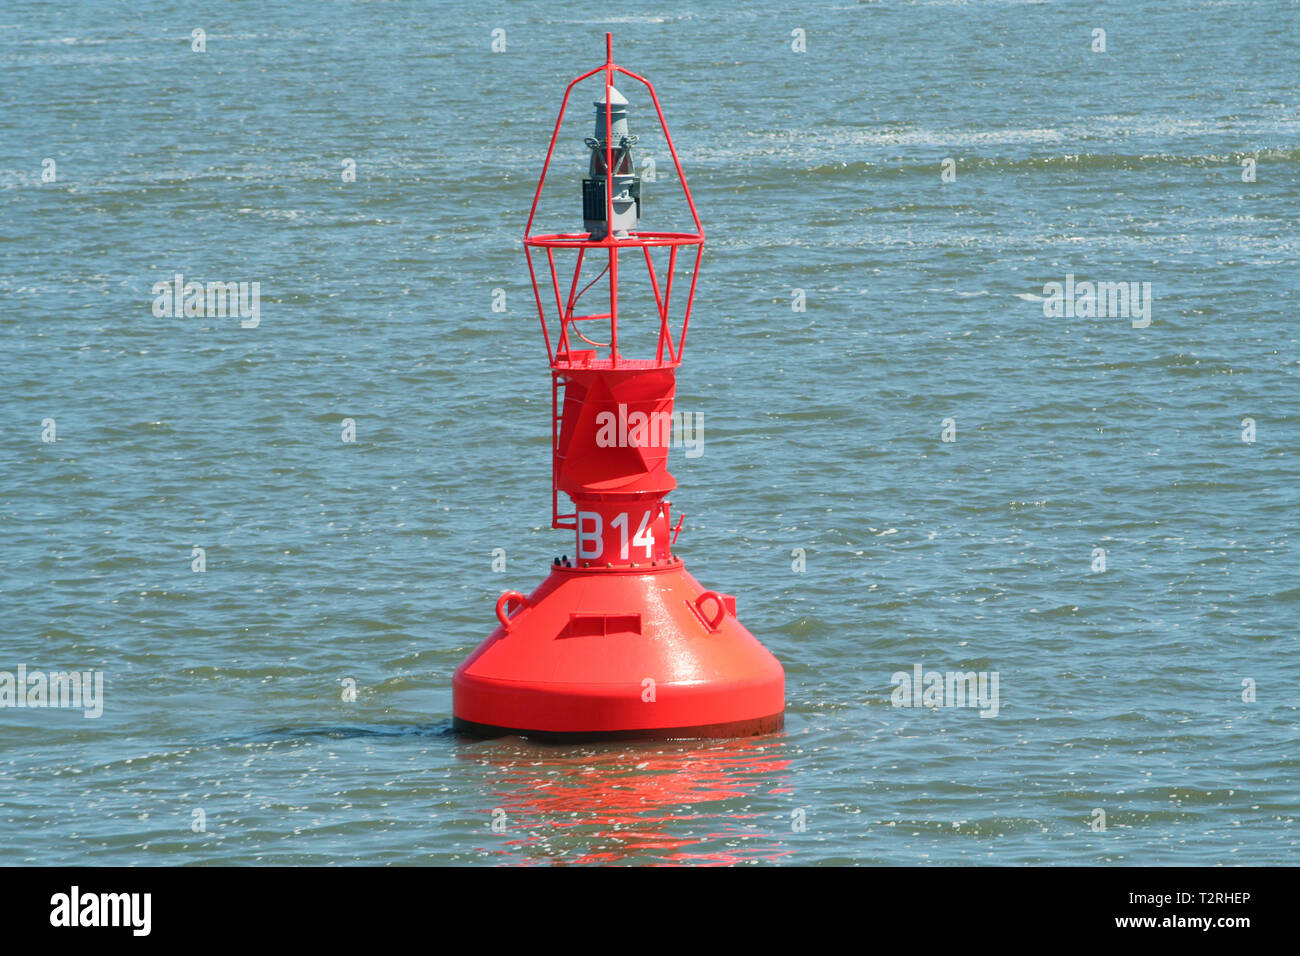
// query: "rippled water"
[[1120, 690]]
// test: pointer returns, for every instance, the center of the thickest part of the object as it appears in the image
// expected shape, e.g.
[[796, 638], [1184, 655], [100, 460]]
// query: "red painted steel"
[[621, 641]]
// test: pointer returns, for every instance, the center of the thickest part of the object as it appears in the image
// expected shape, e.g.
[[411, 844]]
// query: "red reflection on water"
[[639, 804]]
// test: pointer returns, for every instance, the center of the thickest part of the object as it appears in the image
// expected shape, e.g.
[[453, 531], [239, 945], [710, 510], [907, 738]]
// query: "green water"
[[225, 736]]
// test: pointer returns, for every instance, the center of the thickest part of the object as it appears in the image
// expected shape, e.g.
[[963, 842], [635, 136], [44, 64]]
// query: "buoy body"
[[607, 654], [621, 641]]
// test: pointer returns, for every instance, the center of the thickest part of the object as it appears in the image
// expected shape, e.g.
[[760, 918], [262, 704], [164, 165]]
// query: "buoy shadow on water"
[[442, 729]]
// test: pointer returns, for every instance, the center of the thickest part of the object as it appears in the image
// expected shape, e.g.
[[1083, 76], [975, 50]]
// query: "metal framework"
[[562, 355]]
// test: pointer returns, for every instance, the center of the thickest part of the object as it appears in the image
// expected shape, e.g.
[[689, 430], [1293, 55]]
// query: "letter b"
[[590, 543]]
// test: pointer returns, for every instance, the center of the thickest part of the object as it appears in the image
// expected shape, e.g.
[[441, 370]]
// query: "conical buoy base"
[[599, 654]]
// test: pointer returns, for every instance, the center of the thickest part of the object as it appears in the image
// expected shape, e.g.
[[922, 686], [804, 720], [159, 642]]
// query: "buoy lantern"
[[620, 641]]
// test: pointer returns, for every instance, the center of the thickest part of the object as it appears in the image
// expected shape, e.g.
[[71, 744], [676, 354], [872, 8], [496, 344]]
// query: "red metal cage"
[[563, 355]]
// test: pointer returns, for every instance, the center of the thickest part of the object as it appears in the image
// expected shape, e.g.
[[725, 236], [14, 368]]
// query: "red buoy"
[[620, 642]]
